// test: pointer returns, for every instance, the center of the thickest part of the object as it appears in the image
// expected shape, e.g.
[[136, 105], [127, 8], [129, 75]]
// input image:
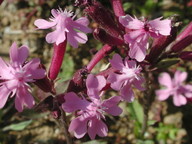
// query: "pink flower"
[[174, 87], [14, 77], [65, 28], [91, 110], [128, 74], [140, 31]]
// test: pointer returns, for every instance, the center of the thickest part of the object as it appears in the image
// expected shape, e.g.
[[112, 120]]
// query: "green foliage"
[[165, 132], [166, 63], [18, 126]]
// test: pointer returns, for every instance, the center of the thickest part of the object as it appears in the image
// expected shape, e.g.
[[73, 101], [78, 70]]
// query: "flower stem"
[[63, 123], [57, 59], [146, 102], [106, 49]]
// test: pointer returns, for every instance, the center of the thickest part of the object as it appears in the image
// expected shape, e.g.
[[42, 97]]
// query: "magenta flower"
[[174, 87], [65, 28], [140, 31], [90, 112], [14, 77], [128, 74]]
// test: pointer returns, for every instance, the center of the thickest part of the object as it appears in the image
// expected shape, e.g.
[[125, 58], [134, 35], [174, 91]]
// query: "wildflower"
[[91, 112], [14, 77], [140, 31], [128, 74], [174, 87], [66, 28]]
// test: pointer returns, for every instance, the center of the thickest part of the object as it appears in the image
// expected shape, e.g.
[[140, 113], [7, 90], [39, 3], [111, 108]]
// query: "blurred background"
[[167, 124]]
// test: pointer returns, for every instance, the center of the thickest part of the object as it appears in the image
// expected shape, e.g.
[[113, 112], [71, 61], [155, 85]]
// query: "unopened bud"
[[186, 55], [182, 44], [105, 38], [104, 18], [160, 44]]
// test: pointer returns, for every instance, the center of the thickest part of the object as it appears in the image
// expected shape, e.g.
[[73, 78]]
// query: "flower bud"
[[185, 32], [160, 44], [186, 55], [182, 44], [104, 18], [105, 38]]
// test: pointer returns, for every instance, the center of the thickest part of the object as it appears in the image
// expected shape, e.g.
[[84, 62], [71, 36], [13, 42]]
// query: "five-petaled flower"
[[140, 31], [174, 87], [127, 74], [66, 28], [14, 77], [90, 111]]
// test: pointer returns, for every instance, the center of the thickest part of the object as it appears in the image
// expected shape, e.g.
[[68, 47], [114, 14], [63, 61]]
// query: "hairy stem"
[[146, 102], [63, 123]]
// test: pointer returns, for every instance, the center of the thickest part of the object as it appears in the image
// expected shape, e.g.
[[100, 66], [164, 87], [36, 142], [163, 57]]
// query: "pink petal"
[[73, 103], [94, 85], [138, 83], [4, 96], [130, 63], [32, 68], [97, 127], [133, 36], [111, 105], [83, 21], [127, 93], [117, 62], [117, 80], [163, 94], [81, 24], [165, 80], [179, 100], [130, 22], [18, 55], [56, 36], [163, 26], [43, 24], [138, 50], [54, 12], [76, 37], [23, 98], [78, 126], [5, 72], [180, 77]]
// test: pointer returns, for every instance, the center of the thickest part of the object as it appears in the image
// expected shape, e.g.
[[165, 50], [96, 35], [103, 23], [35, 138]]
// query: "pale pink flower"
[[128, 74], [174, 87], [90, 111], [66, 28], [140, 31], [14, 77]]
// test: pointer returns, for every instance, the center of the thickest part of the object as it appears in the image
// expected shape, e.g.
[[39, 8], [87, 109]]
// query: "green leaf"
[[138, 110], [167, 63], [18, 126]]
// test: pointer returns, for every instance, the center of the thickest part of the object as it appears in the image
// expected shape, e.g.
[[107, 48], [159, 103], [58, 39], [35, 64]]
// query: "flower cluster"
[[125, 35]]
